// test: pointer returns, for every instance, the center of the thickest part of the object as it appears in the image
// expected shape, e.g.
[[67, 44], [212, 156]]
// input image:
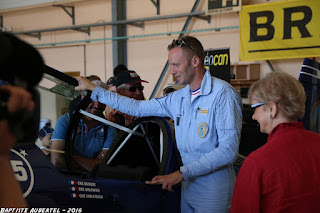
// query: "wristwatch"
[[180, 170]]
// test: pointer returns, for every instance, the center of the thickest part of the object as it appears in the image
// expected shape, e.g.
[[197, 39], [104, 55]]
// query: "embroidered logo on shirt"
[[99, 133], [203, 129]]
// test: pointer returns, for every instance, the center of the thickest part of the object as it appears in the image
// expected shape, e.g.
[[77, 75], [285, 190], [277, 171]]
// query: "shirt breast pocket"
[[204, 123], [204, 137]]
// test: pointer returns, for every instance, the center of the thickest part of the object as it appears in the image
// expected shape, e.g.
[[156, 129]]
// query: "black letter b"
[[254, 26]]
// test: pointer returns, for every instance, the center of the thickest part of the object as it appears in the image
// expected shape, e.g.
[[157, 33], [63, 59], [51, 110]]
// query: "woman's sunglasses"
[[254, 106]]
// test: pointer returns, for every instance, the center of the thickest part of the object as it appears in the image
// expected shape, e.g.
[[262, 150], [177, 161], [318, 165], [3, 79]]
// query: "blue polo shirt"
[[86, 143]]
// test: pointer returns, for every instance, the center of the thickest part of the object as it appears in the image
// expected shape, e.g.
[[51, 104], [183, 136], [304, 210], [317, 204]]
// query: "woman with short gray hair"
[[282, 175]]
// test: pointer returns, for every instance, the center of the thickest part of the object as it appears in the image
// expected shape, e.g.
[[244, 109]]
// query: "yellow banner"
[[277, 30]]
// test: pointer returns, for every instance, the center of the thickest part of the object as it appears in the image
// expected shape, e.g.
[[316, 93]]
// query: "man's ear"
[[195, 61]]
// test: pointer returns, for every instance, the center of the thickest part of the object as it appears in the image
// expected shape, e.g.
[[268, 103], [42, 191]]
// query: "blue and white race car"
[[145, 149]]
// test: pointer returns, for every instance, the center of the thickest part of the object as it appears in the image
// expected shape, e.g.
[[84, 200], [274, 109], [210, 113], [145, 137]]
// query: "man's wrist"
[[180, 171], [92, 87]]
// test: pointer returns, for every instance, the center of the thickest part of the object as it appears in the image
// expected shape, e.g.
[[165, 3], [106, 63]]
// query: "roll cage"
[[123, 156]]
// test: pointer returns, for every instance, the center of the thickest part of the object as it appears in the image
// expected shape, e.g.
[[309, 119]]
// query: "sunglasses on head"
[[134, 89], [180, 42]]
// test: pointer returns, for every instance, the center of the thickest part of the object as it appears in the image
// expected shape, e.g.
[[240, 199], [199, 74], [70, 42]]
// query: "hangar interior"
[[86, 37]]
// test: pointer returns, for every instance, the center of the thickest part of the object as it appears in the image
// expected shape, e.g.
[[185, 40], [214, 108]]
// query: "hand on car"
[[84, 84], [167, 181]]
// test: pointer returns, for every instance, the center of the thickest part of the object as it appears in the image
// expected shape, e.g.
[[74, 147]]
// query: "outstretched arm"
[[84, 84]]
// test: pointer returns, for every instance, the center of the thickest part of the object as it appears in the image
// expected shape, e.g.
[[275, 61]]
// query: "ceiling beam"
[[116, 22], [53, 3]]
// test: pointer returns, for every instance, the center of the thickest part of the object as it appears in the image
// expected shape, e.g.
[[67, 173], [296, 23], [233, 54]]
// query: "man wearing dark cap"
[[128, 84]]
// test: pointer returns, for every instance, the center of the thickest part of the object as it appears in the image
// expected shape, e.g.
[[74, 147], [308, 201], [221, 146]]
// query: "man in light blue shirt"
[[91, 141], [207, 115]]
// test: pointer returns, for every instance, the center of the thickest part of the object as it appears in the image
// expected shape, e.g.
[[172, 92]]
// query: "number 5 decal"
[[19, 171], [23, 172]]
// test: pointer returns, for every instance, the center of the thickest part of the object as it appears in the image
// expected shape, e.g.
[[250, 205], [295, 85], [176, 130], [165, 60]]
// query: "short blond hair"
[[283, 89], [192, 47]]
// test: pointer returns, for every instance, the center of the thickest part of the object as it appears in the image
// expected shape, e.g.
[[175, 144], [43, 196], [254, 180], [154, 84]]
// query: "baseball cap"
[[128, 77], [43, 122], [45, 130]]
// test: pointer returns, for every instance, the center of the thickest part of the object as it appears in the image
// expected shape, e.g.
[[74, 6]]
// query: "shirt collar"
[[205, 86]]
